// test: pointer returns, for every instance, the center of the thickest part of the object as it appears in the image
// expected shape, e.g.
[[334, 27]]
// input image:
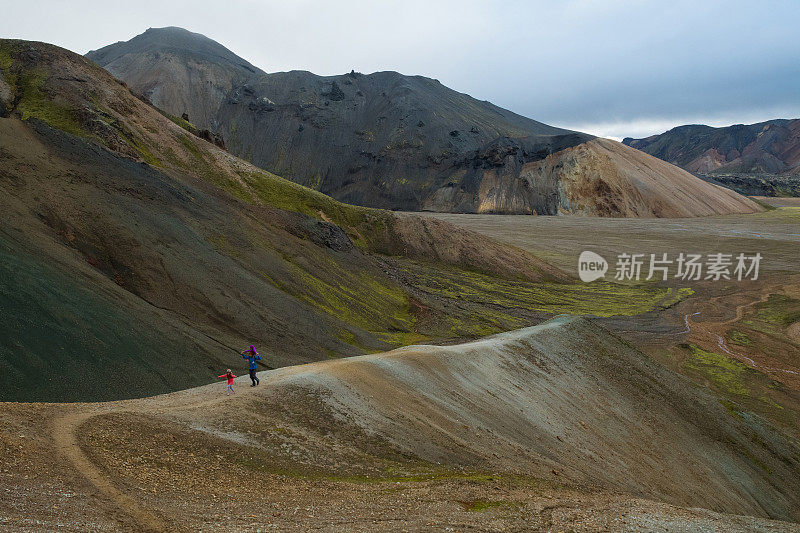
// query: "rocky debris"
[[757, 184], [334, 92], [212, 137], [497, 154], [320, 232], [157, 466]]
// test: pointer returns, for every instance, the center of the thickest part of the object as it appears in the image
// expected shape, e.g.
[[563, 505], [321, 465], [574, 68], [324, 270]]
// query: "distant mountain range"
[[400, 142], [758, 158]]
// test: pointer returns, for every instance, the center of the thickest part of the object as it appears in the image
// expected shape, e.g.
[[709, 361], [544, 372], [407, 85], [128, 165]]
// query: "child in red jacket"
[[230, 375]]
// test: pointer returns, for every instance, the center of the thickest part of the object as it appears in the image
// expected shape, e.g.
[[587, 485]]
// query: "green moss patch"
[[34, 102], [742, 389], [725, 373], [778, 310], [185, 124], [394, 472], [479, 506], [739, 338], [284, 194], [599, 299], [354, 297], [5, 58], [142, 149]]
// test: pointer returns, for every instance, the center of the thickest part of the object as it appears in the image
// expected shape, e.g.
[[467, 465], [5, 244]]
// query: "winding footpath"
[[66, 441], [65, 431]]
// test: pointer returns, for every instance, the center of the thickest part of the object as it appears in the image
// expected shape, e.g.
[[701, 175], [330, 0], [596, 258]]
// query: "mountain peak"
[[173, 38], [178, 70]]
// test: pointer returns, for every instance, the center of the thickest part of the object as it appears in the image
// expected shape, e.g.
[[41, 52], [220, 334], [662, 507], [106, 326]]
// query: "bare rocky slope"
[[137, 258], [393, 141], [186, 70], [603, 178], [566, 397], [561, 426]]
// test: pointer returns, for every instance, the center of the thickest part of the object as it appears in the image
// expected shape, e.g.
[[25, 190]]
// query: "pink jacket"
[[230, 376]]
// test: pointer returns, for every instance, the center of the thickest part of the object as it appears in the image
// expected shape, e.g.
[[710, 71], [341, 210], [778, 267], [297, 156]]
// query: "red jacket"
[[230, 377]]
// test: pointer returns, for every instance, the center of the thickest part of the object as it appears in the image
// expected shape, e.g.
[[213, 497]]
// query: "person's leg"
[[253, 377]]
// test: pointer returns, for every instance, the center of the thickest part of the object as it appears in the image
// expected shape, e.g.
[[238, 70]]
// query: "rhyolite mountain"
[[765, 155], [137, 258], [401, 142], [771, 147]]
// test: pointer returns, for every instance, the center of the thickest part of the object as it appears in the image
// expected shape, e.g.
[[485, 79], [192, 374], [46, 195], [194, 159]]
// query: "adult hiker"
[[229, 376], [252, 356]]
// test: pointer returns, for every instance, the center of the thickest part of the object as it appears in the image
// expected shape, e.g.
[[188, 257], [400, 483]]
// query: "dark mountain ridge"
[[394, 141], [383, 139]]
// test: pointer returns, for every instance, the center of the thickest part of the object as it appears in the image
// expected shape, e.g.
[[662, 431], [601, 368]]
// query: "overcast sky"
[[613, 68]]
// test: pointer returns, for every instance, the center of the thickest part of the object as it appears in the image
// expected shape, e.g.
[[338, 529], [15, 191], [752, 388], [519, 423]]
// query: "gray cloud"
[[613, 68]]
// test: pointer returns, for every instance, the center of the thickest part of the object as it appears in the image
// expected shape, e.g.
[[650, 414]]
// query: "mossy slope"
[[235, 254]]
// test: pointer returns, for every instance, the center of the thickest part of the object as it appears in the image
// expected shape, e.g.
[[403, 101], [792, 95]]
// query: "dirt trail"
[[739, 313], [66, 427], [64, 436]]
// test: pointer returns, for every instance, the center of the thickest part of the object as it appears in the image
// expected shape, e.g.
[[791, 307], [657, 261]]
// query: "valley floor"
[[738, 338], [562, 426], [560, 239]]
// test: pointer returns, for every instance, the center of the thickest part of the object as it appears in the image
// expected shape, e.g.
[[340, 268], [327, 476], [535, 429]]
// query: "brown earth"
[[757, 376], [560, 426], [768, 345], [605, 178]]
